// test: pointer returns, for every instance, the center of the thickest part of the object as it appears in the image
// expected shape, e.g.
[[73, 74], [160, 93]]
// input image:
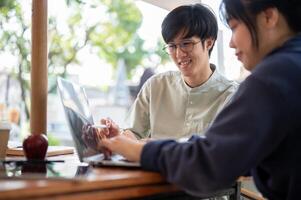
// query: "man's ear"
[[209, 42]]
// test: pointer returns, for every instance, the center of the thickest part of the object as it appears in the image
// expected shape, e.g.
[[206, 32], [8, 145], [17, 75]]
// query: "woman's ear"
[[270, 17]]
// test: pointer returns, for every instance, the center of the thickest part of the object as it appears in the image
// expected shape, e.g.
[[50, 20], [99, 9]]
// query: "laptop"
[[77, 110]]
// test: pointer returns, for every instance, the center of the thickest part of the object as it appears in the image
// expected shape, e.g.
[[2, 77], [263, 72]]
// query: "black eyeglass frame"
[[180, 45]]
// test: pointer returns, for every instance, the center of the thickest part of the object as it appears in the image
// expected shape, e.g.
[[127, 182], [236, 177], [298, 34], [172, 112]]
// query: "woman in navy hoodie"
[[259, 131]]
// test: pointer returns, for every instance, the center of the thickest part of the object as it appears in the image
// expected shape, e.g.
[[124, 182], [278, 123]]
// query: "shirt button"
[[191, 102]]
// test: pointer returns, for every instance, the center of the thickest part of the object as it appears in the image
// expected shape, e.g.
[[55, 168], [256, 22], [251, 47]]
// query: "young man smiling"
[[177, 104]]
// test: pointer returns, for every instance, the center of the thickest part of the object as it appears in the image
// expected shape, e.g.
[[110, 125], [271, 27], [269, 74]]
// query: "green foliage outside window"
[[112, 38]]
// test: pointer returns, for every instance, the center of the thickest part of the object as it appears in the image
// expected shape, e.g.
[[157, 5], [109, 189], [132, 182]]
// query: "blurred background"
[[109, 46]]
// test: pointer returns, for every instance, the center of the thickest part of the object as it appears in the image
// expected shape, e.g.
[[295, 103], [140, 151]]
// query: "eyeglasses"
[[185, 46]]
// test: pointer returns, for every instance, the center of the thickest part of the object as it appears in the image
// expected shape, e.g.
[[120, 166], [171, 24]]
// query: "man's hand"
[[110, 139], [92, 138], [112, 129], [88, 136]]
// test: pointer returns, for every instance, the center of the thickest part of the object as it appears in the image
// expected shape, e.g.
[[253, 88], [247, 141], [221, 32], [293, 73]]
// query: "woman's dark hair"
[[246, 11], [194, 20]]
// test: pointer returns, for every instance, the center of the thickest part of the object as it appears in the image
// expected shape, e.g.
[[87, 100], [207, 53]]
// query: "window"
[[222, 55]]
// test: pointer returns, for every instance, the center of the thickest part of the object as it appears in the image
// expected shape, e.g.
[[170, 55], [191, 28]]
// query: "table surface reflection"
[[67, 181]]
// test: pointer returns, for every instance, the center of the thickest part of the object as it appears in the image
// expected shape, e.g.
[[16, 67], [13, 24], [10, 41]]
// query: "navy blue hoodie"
[[259, 131]]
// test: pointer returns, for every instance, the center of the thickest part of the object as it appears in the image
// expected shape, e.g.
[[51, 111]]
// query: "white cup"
[[4, 135]]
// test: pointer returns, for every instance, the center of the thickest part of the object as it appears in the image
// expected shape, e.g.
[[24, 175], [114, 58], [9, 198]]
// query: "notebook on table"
[[78, 114], [17, 150]]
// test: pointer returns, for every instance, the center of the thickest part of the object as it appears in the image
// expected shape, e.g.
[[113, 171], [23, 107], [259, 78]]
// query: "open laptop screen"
[[77, 112]]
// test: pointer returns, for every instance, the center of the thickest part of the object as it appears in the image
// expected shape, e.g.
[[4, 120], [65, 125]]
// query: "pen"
[[99, 126]]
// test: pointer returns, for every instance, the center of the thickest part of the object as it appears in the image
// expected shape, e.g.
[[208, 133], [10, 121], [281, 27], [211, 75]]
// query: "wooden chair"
[[248, 190], [250, 195]]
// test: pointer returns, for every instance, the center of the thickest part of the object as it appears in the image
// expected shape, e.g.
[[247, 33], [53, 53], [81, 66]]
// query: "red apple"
[[35, 147]]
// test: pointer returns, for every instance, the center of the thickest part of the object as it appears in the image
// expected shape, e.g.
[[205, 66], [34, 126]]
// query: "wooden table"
[[100, 183]]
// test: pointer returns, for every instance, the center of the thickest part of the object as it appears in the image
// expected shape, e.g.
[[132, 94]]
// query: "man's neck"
[[200, 79]]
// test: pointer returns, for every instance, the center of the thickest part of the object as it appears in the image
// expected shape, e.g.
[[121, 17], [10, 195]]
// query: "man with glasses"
[[177, 104]]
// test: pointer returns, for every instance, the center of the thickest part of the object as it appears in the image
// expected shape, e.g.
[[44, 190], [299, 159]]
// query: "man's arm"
[[139, 115]]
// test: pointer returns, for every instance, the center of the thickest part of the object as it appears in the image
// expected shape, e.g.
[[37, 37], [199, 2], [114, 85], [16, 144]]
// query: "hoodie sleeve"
[[239, 138]]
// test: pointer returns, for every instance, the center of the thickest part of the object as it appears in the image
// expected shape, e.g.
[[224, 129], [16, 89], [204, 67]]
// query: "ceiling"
[[171, 4]]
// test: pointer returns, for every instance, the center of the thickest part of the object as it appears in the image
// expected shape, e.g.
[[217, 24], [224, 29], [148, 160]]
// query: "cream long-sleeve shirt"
[[167, 107]]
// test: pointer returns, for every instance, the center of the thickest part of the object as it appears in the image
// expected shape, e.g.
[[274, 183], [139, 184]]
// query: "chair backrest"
[[248, 189], [250, 195]]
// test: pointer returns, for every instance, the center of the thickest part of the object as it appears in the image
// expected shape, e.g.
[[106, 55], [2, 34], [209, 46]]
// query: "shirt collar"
[[206, 85]]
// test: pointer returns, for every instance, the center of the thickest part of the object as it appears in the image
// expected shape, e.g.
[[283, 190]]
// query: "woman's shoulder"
[[285, 59], [281, 63]]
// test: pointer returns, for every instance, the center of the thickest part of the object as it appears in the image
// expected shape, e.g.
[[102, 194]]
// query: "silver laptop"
[[77, 110]]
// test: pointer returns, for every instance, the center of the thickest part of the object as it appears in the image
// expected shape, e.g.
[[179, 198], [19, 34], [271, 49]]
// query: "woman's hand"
[[130, 148], [129, 134]]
